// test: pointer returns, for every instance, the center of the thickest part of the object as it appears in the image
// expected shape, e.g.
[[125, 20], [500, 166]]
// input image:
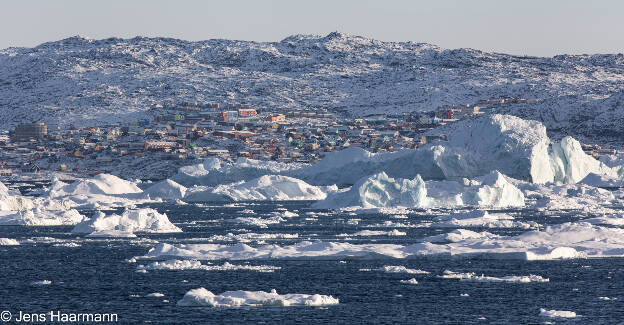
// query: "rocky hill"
[[78, 79]]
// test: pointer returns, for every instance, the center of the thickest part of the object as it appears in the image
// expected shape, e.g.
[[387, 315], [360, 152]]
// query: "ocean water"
[[94, 276]]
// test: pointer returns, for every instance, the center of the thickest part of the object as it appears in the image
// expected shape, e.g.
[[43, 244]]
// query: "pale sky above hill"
[[527, 27]]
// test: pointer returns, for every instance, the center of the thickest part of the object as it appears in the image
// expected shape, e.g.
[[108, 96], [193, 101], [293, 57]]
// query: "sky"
[[526, 27]]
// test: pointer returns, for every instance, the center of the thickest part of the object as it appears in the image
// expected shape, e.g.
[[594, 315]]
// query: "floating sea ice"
[[458, 235], [481, 218], [557, 313], [41, 283], [364, 233], [203, 297], [40, 217], [400, 269], [481, 278], [171, 265], [607, 298], [257, 221], [111, 234], [410, 281], [8, 242], [155, 294]]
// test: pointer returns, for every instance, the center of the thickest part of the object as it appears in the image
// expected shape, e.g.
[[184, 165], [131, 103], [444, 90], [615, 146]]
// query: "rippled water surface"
[[95, 277]]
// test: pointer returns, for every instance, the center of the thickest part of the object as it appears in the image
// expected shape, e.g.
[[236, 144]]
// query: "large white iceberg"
[[267, 187], [141, 220], [103, 190], [203, 297], [517, 148], [379, 190], [99, 184]]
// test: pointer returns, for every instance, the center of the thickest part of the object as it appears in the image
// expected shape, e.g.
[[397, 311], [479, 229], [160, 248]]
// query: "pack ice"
[[567, 240]]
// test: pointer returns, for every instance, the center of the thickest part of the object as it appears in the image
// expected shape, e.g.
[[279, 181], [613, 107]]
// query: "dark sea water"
[[96, 278]]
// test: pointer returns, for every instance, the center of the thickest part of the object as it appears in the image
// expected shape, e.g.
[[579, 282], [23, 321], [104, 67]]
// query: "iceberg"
[[515, 147], [167, 189], [141, 220], [99, 184], [379, 190], [103, 190], [203, 297], [213, 172], [264, 188]]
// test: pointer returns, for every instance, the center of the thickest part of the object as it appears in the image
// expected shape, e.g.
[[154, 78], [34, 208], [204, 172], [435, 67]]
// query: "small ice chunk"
[[41, 283], [410, 281], [400, 269]]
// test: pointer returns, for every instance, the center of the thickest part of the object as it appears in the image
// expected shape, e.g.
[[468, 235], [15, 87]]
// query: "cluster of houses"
[[186, 131]]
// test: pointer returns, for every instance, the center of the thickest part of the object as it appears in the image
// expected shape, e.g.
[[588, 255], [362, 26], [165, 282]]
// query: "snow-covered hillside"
[[79, 79]]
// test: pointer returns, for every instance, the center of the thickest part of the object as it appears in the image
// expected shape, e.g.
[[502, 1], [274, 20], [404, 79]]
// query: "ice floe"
[[482, 278], [140, 220], [111, 233], [173, 265], [400, 269], [480, 218], [39, 217], [41, 283], [409, 281], [557, 313], [203, 297], [8, 242], [365, 233]]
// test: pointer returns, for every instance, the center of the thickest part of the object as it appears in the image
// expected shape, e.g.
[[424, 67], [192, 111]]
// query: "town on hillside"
[[177, 134]]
